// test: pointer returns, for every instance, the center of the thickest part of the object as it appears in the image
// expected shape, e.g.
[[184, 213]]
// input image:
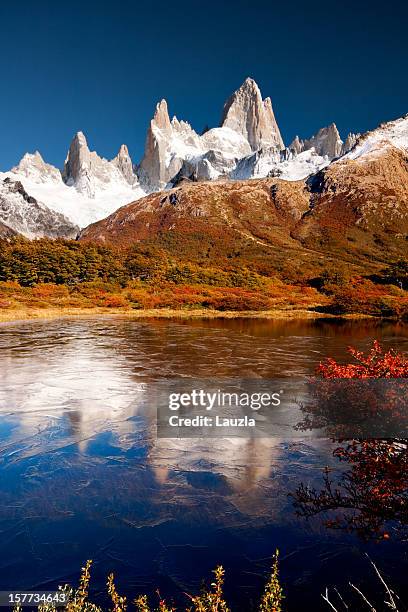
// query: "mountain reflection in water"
[[83, 475]]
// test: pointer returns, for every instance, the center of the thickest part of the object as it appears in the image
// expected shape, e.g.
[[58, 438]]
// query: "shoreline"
[[37, 314]]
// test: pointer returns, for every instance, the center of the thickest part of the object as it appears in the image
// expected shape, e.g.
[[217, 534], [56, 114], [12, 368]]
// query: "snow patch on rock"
[[32, 218], [391, 133]]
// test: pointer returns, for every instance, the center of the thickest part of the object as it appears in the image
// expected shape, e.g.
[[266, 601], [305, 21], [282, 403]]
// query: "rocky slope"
[[360, 205], [6, 232], [25, 215], [249, 208]]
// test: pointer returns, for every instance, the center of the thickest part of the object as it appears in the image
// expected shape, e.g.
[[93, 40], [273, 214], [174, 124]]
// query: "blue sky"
[[101, 67]]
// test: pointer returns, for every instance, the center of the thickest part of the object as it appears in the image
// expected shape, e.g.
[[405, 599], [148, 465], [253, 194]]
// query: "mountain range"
[[37, 199], [353, 211]]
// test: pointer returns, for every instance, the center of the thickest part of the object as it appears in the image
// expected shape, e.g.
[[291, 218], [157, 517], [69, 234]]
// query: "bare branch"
[[363, 596], [326, 599]]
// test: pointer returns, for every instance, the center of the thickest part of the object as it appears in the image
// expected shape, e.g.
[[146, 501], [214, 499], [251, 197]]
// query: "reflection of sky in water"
[[84, 476]]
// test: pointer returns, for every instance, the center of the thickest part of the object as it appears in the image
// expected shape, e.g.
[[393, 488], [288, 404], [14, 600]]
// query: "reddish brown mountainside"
[[360, 206], [259, 209], [353, 210]]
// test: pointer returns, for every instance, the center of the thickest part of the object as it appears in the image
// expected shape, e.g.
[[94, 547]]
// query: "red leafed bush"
[[371, 496], [363, 296], [377, 363]]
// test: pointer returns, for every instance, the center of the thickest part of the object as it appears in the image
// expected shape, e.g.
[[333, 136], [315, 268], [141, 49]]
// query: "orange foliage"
[[49, 291], [363, 296], [114, 301]]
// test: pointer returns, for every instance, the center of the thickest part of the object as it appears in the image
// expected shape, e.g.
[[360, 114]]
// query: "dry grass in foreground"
[[210, 599]]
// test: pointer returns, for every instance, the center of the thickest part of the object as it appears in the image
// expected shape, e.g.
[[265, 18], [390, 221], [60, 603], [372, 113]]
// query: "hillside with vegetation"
[[334, 244], [67, 274]]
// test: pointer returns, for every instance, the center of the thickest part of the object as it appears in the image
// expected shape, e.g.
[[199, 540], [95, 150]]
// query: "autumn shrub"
[[176, 299], [173, 298], [159, 293], [308, 291], [376, 363], [7, 287], [396, 273], [239, 300], [94, 293], [141, 295], [59, 261], [373, 492], [365, 297], [273, 594], [49, 291], [169, 295], [193, 274], [114, 301], [67, 273], [331, 280], [145, 262]]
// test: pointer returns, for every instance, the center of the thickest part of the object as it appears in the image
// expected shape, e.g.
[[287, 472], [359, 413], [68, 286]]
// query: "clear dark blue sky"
[[101, 67]]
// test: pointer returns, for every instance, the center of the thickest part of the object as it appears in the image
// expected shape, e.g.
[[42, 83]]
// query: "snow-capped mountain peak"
[[86, 171], [248, 144], [89, 188], [174, 147], [34, 167], [326, 143], [246, 113]]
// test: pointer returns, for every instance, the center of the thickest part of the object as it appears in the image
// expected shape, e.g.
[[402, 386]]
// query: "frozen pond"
[[83, 475]]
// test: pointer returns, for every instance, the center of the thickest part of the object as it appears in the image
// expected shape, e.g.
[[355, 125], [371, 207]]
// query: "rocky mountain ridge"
[[87, 188], [246, 145]]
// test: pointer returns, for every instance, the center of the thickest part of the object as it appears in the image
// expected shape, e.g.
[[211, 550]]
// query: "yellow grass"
[[27, 314]]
